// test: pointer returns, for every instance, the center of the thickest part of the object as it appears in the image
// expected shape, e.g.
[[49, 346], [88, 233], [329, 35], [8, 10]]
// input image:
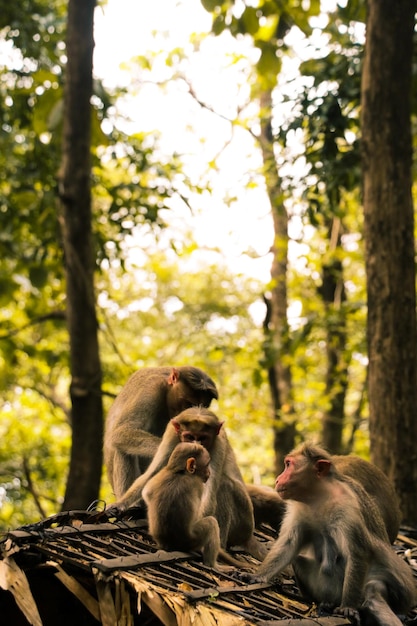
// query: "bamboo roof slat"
[[110, 572]]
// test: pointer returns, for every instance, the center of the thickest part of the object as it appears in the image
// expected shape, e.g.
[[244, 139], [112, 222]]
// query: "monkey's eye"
[[204, 440]]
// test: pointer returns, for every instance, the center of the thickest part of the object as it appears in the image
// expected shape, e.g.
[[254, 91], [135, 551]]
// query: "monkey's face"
[[181, 397], [198, 425], [294, 483], [206, 437], [195, 431]]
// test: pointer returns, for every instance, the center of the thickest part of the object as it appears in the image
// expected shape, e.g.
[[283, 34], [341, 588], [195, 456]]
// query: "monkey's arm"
[[212, 486], [356, 567], [148, 492], [284, 550], [133, 441], [133, 495]]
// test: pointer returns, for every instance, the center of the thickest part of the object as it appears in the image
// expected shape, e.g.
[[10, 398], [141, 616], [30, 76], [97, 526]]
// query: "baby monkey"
[[173, 498]]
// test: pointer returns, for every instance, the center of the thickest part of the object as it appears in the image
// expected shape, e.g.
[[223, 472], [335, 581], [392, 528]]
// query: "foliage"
[[201, 316], [131, 184], [316, 134], [166, 306], [267, 22], [142, 323], [33, 457]]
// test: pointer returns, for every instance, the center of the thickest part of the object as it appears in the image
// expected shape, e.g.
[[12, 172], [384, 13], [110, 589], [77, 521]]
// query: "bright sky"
[[129, 28]]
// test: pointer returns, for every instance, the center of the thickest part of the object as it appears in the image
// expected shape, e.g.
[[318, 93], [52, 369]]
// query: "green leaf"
[[210, 5], [269, 65], [218, 25], [38, 276], [250, 20]]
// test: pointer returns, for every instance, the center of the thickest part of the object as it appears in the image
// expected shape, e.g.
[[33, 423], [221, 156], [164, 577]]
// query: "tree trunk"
[[333, 295], [75, 195], [389, 239], [277, 344]]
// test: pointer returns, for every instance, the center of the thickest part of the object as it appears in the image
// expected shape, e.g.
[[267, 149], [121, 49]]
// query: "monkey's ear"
[[219, 427], [176, 425], [174, 376], [190, 465], [323, 467]]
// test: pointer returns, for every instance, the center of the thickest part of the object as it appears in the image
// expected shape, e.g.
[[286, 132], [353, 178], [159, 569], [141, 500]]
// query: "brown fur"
[[269, 508], [376, 484], [334, 536], [140, 413], [173, 497], [225, 495]]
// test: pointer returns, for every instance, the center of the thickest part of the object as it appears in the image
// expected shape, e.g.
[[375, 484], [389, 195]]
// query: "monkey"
[[376, 484], [225, 495], [269, 507], [335, 538], [173, 497], [140, 413]]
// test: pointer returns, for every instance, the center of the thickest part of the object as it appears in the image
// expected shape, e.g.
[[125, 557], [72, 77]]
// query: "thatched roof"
[[79, 569]]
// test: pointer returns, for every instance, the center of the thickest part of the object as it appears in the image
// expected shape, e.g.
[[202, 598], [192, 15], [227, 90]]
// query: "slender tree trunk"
[[333, 295], [87, 415], [389, 239], [277, 345]]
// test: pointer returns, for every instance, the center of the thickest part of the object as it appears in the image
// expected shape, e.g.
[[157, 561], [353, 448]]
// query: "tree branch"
[[31, 487], [54, 315]]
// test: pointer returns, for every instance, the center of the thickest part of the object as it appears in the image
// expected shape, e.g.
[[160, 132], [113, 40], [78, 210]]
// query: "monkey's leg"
[[206, 537], [234, 513], [125, 471], [257, 549], [376, 604]]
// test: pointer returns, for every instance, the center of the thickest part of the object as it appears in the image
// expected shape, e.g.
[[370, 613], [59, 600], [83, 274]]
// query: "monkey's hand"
[[121, 512], [349, 612], [248, 577], [113, 510]]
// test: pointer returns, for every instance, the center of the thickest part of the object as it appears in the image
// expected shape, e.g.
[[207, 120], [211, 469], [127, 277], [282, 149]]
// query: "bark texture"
[[389, 238], [75, 198], [333, 294], [277, 344]]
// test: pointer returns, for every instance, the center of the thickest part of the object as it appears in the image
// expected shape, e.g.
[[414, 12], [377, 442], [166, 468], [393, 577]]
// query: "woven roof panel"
[[116, 573]]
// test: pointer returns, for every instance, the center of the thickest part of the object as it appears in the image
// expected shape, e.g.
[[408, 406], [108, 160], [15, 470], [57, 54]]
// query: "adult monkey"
[[173, 498], [270, 508], [377, 485], [140, 413], [225, 495], [335, 538]]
